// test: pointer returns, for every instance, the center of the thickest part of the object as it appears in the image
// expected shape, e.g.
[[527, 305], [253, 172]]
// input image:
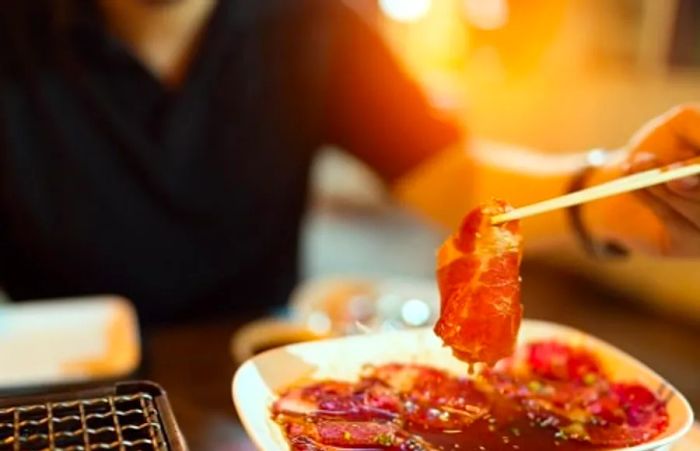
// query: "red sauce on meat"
[[549, 397]]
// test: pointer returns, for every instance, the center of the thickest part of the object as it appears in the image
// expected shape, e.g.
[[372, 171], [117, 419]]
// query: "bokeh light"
[[486, 14], [405, 10]]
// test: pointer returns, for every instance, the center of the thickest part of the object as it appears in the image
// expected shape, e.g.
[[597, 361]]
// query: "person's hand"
[[671, 138]]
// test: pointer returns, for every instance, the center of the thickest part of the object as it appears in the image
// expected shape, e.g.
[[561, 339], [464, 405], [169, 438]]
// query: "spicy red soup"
[[550, 397]]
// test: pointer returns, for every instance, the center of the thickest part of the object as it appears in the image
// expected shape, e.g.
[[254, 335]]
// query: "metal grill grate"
[[111, 422]]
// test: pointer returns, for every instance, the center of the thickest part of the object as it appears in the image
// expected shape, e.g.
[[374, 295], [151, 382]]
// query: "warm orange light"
[[405, 10], [487, 14]]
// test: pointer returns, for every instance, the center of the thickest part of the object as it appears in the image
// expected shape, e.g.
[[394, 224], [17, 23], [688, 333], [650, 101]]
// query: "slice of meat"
[[358, 434], [340, 400], [565, 388], [478, 273], [323, 395], [558, 361], [332, 435], [406, 378], [352, 436], [432, 399], [631, 415]]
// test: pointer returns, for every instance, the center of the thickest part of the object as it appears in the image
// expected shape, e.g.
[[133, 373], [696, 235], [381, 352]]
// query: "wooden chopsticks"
[[618, 186]]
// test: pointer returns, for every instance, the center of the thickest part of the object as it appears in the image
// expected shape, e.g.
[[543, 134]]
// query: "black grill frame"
[[125, 416]]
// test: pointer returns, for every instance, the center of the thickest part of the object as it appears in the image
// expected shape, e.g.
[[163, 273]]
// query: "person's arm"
[[456, 179], [374, 110], [663, 220], [379, 114]]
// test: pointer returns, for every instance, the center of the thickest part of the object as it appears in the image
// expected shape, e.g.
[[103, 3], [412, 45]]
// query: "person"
[[161, 149]]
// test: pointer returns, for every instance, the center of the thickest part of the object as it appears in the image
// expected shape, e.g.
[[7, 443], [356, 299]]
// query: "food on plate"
[[478, 273], [548, 396]]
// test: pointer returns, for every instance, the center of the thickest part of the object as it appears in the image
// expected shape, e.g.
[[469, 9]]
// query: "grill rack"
[[124, 417]]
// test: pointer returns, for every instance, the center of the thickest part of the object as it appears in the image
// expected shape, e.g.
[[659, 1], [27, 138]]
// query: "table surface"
[[193, 362]]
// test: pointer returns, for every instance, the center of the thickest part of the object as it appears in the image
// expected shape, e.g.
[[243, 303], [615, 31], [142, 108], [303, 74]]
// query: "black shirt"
[[187, 202]]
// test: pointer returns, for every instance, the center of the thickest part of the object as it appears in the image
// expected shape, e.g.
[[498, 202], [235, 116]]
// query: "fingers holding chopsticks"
[[669, 139], [687, 188], [681, 237]]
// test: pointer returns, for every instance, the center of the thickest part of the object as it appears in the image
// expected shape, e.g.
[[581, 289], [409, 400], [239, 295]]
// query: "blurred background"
[[556, 75]]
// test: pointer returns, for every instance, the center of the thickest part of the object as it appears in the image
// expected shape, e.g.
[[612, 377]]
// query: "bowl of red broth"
[[561, 390]]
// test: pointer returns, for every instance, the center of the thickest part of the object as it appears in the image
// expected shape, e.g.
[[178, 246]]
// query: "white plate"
[[67, 340], [258, 380]]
